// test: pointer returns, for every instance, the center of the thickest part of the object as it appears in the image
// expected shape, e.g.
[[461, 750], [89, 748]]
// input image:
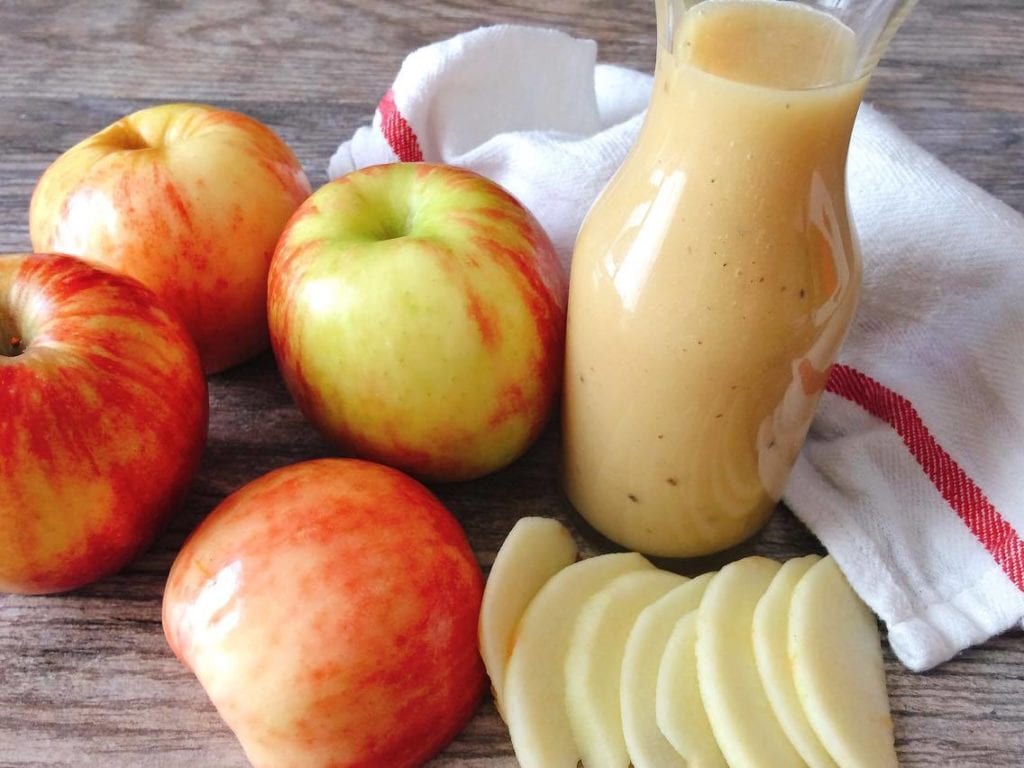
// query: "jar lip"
[[873, 23]]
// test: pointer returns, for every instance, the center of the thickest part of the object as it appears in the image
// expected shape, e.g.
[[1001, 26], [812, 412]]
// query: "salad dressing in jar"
[[714, 279]]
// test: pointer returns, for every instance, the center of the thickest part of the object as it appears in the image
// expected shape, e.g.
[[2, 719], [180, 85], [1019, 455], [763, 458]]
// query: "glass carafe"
[[715, 278]]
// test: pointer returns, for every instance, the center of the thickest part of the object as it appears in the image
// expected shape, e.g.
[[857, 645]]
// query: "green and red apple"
[[103, 414], [188, 199], [417, 313], [330, 610]]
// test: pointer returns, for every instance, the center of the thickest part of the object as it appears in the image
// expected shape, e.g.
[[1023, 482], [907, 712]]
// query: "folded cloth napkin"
[[913, 472]]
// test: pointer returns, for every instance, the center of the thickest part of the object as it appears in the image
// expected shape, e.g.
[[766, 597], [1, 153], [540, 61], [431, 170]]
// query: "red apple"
[[103, 414], [330, 609], [190, 200], [418, 317]]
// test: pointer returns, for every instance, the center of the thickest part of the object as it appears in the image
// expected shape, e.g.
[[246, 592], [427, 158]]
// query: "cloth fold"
[[913, 472]]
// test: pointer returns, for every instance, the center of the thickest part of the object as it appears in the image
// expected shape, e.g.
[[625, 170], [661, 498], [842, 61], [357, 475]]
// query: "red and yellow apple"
[[330, 609], [103, 414], [417, 313], [188, 199]]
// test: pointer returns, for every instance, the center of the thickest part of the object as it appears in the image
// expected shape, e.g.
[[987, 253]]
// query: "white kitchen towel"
[[913, 472]]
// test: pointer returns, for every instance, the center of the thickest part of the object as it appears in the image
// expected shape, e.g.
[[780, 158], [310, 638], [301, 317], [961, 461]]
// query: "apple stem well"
[[12, 341], [12, 345]]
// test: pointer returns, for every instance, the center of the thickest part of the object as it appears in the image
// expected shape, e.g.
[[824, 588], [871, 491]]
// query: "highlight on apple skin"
[[417, 313], [187, 198], [103, 416], [329, 609]]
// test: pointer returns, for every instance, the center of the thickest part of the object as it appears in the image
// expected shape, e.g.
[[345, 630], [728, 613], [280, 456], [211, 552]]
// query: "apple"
[[775, 664], [593, 667], [838, 669], [103, 414], [190, 200], [329, 609], [417, 313], [731, 690], [678, 705], [533, 552], [646, 742], [621, 663], [535, 705]]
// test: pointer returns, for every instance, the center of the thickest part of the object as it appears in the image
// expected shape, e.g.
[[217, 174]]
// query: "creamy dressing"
[[713, 281]]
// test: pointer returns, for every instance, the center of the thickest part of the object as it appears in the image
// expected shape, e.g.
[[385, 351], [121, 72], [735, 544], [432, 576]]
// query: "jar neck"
[[872, 22]]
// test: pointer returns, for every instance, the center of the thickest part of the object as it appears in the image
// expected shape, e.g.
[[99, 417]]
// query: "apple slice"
[[741, 717], [593, 666], [646, 744], [679, 709], [771, 649], [837, 667], [535, 550], [535, 679]]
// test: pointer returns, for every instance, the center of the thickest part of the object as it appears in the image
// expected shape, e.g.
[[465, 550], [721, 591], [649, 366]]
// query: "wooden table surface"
[[86, 679]]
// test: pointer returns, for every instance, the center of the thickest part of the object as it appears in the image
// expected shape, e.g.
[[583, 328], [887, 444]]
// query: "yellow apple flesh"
[[838, 669], [535, 704], [771, 648], [535, 550], [647, 746], [593, 666], [679, 706], [744, 724]]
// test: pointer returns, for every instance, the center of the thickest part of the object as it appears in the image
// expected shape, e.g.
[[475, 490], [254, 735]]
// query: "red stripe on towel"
[[397, 131], [957, 488]]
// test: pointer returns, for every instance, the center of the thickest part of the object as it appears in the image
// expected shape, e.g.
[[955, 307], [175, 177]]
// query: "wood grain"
[[86, 679]]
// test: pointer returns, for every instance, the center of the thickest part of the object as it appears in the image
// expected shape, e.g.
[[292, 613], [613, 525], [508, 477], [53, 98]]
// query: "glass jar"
[[715, 278]]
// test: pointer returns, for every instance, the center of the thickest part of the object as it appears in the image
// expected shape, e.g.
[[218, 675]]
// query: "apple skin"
[[103, 416], [417, 313], [188, 199], [329, 609]]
